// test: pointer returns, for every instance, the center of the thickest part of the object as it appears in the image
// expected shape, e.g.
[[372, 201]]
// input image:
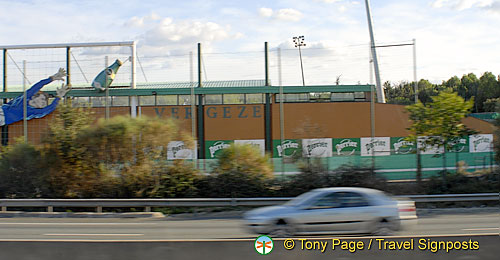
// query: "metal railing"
[[147, 204]]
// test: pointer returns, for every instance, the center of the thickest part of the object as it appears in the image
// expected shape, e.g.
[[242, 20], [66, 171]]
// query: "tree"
[[488, 88], [440, 120]]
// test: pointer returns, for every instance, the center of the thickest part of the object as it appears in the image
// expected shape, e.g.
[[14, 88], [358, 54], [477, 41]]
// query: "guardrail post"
[[99, 209], [50, 208], [4, 208], [147, 209]]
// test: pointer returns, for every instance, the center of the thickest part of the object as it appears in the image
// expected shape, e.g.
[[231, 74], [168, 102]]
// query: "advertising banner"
[[177, 150], [427, 148], [290, 148], [399, 145], [259, 143], [346, 146], [481, 143], [377, 146], [459, 145], [212, 148], [317, 147]]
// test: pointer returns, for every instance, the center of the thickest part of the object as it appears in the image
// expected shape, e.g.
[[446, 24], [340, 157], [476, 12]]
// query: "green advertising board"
[[290, 148], [460, 145], [346, 146], [399, 145], [213, 148]]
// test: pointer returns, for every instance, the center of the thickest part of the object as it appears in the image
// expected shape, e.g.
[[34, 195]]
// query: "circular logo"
[[263, 245]]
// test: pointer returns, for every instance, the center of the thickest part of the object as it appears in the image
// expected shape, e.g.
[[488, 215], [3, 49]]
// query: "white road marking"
[[124, 235], [477, 229], [78, 224]]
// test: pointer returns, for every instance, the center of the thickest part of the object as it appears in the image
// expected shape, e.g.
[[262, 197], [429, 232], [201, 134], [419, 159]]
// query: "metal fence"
[[148, 204]]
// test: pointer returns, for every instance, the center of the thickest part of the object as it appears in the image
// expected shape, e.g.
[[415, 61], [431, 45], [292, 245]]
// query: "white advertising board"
[[377, 146], [259, 143], [321, 147], [177, 150]]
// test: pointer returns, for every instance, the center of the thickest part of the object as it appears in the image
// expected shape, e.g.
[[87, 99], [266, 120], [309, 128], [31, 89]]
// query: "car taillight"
[[406, 209]]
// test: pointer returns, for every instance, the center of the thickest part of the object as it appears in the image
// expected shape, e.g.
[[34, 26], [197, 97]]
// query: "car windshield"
[[301, 199]]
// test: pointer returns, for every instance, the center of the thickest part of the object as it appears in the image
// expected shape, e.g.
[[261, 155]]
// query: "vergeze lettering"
[[211, 112], [234, 112]]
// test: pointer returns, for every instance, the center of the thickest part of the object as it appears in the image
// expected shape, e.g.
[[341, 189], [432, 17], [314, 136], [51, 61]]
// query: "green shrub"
[[315, 175], [241, 171], [22, 172], [457, 183]]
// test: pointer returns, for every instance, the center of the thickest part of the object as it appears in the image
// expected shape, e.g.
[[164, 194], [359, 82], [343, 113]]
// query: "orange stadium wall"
[[243, 122]]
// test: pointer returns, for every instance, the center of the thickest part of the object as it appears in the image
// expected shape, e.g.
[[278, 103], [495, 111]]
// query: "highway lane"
[[168, 229]]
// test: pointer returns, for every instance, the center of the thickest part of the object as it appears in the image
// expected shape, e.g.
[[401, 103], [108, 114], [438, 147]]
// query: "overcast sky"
[[453, 36]]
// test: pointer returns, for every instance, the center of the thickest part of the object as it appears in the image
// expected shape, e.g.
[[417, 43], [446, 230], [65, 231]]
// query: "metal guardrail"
[[147, 204]]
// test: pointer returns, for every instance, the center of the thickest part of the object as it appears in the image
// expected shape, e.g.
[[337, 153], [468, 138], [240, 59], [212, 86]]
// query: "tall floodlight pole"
[[380, 90], [299, 41], [415, 69]]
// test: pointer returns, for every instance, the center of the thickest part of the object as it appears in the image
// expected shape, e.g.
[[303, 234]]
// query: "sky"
[[453, 37]]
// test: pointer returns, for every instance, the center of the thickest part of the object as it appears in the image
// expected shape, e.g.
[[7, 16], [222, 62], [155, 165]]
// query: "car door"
[[323, 214], [357, 211]]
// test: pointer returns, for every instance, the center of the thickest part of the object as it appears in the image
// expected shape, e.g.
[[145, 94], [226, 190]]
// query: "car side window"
[[352, 199], [330, 200]]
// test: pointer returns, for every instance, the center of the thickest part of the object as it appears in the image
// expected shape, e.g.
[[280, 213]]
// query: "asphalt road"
[[20, 229]]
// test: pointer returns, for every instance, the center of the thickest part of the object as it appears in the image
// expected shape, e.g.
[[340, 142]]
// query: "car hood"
[[268, 211]]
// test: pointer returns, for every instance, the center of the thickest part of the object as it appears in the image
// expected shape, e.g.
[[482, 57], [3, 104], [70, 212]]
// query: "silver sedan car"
[[333, 210]]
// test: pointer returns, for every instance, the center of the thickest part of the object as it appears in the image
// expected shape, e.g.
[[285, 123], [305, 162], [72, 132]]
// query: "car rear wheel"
[[383, 228]]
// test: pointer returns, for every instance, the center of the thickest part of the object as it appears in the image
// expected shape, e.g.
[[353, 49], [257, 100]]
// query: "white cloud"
[[167, 36], [330, 1], [287, 14], [266, 12], [461, 5]]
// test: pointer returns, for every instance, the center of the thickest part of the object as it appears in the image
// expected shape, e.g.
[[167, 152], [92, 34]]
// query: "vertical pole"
[[68, 67], [193, 106], [25, 105], [5, 128], [301, 67], [267, 107], [415, 69], [4, 71], [372, 112], [133, 99], [106, 99], [282, 117], [380, 90], [200, 114]]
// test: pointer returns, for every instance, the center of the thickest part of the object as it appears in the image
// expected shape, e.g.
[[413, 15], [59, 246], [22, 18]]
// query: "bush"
[[314, 175], [456, 183], [177, 181], [241, 171], [22, 172], [118, 157]]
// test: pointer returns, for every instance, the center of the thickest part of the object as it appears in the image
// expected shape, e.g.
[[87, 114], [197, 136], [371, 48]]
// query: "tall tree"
[[440, 120]]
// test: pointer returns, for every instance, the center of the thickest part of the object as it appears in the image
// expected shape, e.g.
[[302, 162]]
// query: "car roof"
[[353, 189]]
